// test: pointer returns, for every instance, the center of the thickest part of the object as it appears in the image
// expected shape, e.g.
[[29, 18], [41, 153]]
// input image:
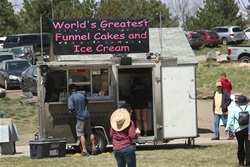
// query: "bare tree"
[[244, 7], [183, 8]]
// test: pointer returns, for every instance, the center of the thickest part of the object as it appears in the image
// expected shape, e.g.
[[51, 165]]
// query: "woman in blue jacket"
[[241, 131]]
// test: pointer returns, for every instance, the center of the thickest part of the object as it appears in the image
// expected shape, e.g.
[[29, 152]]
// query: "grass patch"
[[23, 115], [167, 155], [207, 75]]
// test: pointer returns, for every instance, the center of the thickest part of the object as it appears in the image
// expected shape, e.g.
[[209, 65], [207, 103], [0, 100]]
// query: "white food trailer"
[[168, 70]]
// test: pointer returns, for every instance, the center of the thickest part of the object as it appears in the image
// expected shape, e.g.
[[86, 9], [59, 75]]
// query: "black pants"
[[243, 146]]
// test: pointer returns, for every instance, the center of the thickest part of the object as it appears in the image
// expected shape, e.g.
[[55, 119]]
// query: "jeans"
[[242, 139], [217, 124], [125, 156]]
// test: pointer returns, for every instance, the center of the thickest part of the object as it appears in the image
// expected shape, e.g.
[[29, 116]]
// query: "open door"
[[179, 102]]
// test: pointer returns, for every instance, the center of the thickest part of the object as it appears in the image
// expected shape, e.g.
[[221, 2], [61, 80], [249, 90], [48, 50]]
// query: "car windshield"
[[6, 57], [17, 65], [18, 51]]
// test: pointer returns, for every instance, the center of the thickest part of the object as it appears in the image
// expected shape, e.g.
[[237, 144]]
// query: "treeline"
[[212, 13]]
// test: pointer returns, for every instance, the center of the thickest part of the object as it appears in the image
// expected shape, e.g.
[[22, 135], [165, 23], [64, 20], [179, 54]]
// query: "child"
[[122, 132]]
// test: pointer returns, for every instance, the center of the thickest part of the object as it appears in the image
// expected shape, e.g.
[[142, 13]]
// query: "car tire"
[[244, 59], [224, 41], [6, 85], [203, 45], [100, 141], [24, 88]]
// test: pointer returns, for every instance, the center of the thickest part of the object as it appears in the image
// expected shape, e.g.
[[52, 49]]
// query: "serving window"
[[93, 82], [79, 75]]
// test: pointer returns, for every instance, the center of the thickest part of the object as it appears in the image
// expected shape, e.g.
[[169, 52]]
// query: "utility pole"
[[41, 34], [52, 9], [161, 35]]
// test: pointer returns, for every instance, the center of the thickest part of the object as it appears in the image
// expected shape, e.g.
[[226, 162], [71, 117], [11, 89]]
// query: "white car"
[[2, 39], [247, 33]]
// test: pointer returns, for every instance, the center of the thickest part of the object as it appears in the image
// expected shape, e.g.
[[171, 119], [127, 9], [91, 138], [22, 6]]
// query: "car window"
[[6, 57], [237, 29], [211, 33], [195, 35], [17, 65], [46, 38], [17, 50], [12, 39], [29, 38], [30, 71], [223, 30], [216, 29], [1, 66], [201, 33], [247, 30]]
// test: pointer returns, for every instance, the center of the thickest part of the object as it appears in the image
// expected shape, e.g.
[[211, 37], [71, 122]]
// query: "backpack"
[[243, 117]]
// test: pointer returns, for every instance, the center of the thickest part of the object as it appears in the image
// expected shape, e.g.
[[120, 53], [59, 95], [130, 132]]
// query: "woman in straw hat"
[[241, 131], [122, 132]]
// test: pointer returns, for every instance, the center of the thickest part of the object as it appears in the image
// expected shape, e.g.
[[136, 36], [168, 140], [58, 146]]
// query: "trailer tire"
[[100, 142]]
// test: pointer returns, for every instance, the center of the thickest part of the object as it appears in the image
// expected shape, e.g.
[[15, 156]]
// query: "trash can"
[[47, 148]]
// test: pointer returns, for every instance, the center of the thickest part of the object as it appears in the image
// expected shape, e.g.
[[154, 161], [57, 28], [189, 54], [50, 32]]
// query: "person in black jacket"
[[221, 101]]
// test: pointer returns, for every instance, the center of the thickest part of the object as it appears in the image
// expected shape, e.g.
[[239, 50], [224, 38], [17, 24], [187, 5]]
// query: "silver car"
[[230, 34]]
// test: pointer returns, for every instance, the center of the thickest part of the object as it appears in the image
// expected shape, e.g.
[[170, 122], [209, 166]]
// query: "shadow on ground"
[[203, 130]]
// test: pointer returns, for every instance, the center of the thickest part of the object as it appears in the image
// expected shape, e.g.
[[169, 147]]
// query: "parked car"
[[230, 34], [2, 39], [29, 80], [194, 40], [23, 52], [28, 39], [239, 53], [210, 37], [6, 56], [10, 72], [247, 33]]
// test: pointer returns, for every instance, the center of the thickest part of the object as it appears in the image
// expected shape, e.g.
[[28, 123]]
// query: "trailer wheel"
[[100, 142]]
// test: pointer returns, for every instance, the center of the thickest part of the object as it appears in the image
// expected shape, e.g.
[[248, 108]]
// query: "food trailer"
[[160, 57]]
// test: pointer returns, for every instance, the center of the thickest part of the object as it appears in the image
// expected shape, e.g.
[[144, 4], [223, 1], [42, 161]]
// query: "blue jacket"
[[235, 114], [77, 103]]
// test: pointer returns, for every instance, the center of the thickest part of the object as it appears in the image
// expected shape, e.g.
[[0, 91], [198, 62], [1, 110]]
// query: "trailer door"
[[179, 102]]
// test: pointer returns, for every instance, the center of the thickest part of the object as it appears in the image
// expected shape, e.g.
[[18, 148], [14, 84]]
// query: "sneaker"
[[94, 151], [215, 138], [231, 137], [84, 153]]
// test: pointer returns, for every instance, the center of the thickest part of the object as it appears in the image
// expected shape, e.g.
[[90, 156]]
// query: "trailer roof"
[[174, 45]]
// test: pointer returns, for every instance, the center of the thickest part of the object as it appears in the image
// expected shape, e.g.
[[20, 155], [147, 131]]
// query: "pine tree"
[[215, 13]]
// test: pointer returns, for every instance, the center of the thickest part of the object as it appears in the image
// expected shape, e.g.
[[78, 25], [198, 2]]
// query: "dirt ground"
[[204, 115]]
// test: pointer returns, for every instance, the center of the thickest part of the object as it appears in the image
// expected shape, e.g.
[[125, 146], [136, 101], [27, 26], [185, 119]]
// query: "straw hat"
[[120, 119]]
